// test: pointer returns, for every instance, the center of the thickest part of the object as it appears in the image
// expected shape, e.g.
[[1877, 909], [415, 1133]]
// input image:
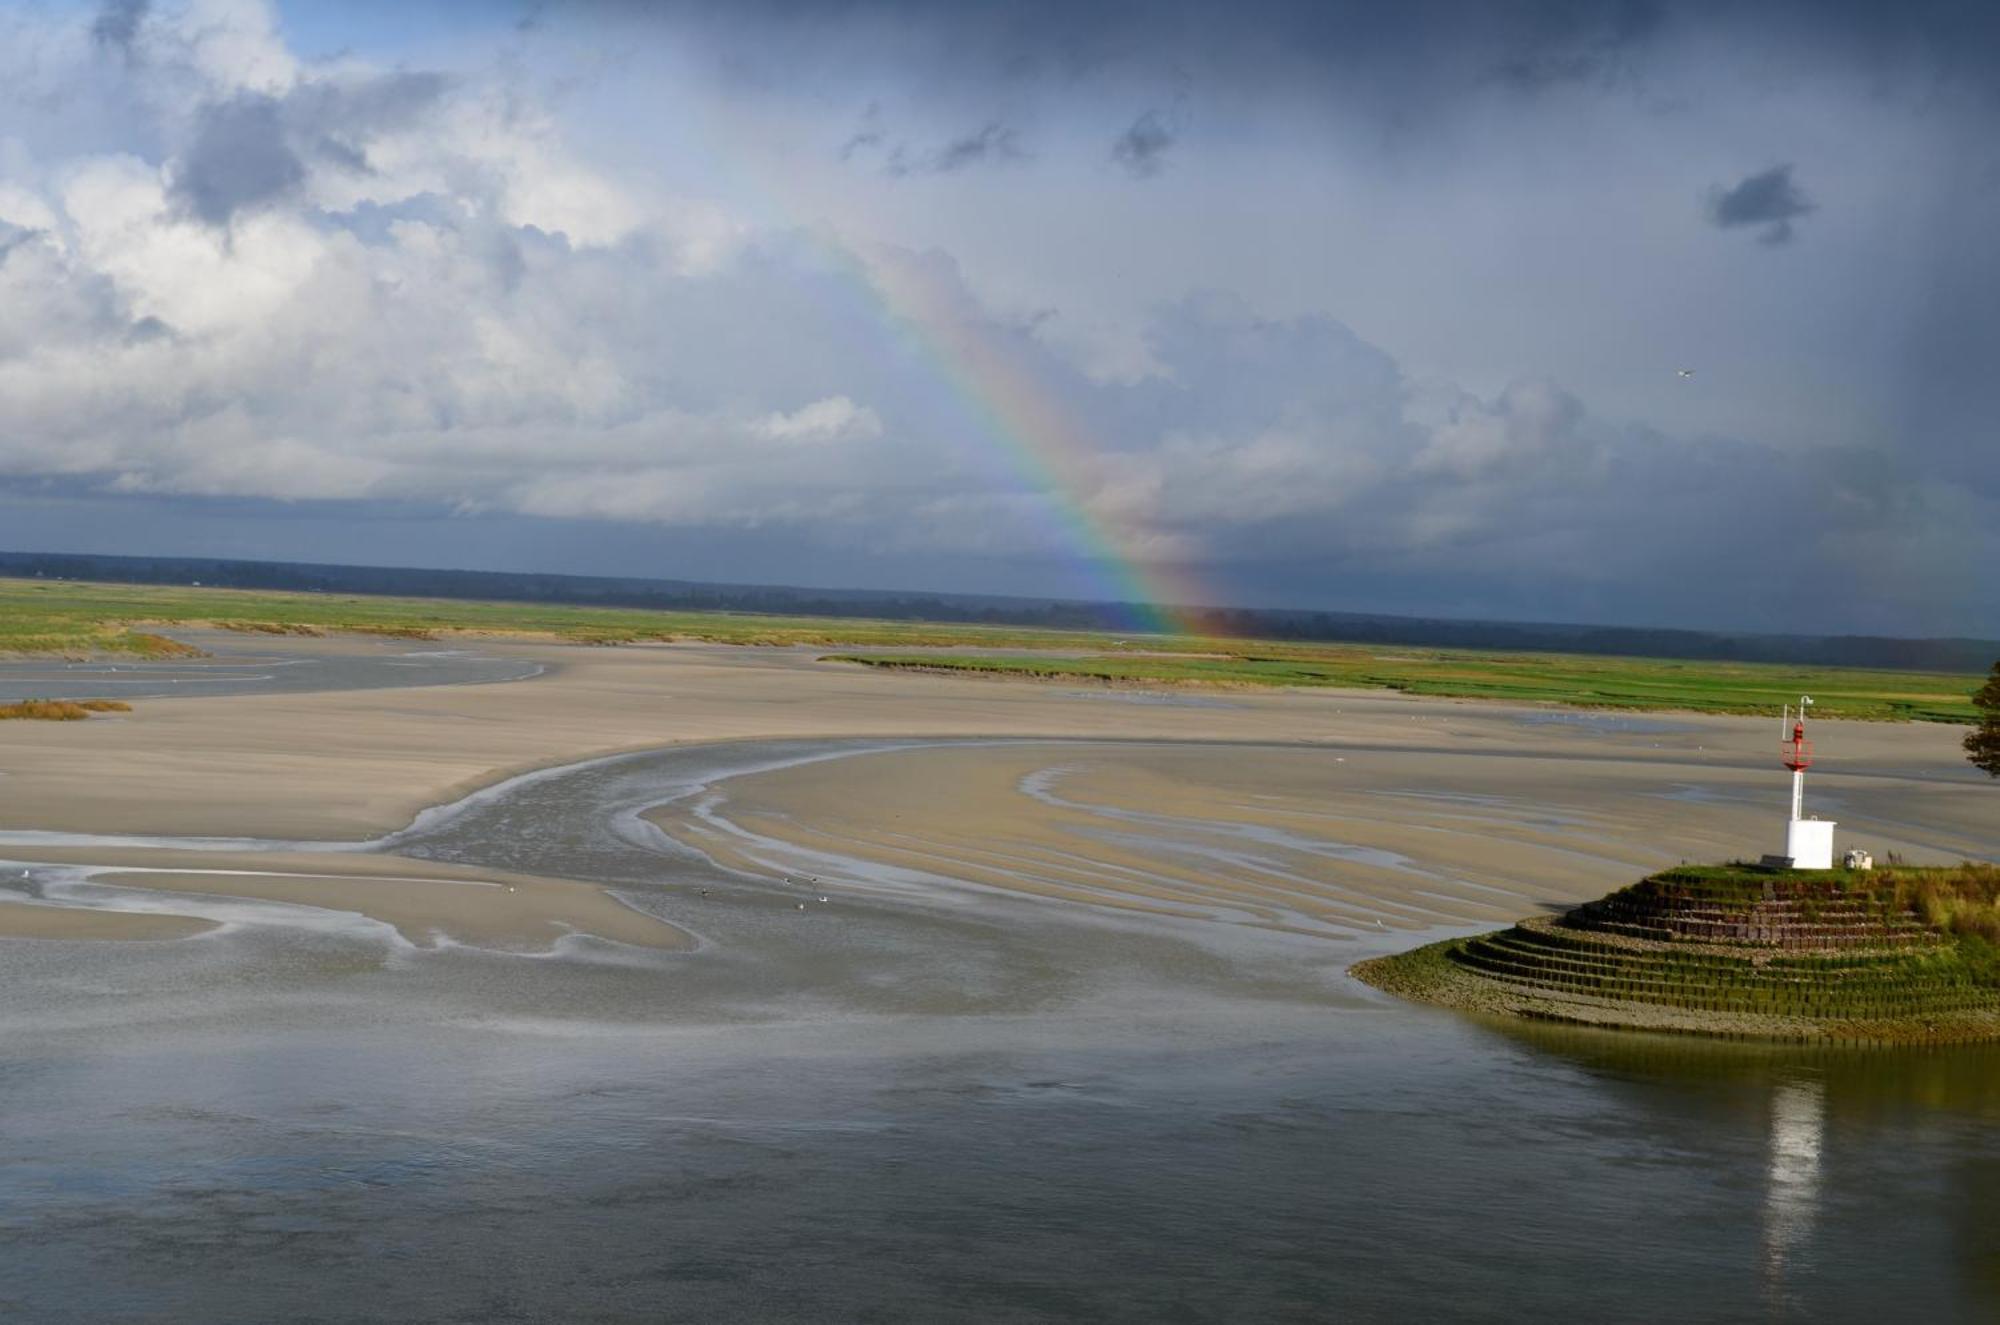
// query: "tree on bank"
[[1982, 743]]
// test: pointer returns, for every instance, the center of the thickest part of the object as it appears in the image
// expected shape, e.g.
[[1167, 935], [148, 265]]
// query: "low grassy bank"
[[1578, 681], [1896, 956], [68, 617], [76, 619]]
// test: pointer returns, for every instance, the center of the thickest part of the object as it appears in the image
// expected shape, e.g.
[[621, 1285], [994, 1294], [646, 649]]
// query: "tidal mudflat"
[[1070, 1036]]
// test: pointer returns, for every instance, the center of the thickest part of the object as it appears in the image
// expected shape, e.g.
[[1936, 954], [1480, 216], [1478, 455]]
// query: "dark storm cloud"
[[12, 237], [1565, 44], [239, 158], [254, 150], [117, 23], [1769, 198], [148, 329], [868, 136], [1402, 50], [1142, 148], [992, 143], [336, 121], [361, 109], [1412, 61]]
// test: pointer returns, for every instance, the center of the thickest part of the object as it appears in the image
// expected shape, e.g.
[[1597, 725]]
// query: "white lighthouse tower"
[[1808, 842]]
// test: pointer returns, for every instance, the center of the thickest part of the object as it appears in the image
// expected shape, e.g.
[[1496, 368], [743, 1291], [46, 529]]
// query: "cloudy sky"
[[1374, 307]]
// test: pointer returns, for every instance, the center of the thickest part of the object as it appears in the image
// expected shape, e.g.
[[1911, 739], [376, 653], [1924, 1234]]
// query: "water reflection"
[[1792, 1176], [1862, 1162]]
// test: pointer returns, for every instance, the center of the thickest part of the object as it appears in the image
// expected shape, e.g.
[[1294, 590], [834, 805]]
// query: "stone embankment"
[[1811, 955]]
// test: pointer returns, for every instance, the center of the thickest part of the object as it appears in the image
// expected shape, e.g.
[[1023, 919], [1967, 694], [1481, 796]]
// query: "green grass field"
[[71, 618], [1579, 681]]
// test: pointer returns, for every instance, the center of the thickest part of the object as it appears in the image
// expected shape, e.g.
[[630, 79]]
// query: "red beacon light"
[[1797, 750]]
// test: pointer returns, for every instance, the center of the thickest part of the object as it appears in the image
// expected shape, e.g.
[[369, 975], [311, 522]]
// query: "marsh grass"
[[61, 710], [1963, 901], [70, 618], [1577, 681], [76, 619]]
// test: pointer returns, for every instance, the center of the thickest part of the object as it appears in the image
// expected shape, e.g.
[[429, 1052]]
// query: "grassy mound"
[[1899, 955]]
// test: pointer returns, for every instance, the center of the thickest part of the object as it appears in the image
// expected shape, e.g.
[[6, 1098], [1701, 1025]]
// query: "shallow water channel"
[[242, 664], [901, 1106]]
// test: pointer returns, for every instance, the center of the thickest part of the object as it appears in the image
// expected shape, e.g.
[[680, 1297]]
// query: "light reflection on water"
[[1798, 1131]]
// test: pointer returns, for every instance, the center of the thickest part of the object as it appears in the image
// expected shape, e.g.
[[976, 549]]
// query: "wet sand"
[[426, 904], [1286, 838], [1326, 812], [30, 920], [346, 766]]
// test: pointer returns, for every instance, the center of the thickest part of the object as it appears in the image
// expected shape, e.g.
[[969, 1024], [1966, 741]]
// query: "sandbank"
[[353, 765], [426, 903], [33, 920], [1317, 810], [1276, 837]]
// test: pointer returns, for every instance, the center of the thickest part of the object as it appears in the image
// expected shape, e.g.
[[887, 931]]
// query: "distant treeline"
[[1942, 655]]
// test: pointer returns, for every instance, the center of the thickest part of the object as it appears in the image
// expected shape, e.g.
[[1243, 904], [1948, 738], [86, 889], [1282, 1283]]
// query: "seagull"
[[1683, 372], [802, 906], [822, 899]]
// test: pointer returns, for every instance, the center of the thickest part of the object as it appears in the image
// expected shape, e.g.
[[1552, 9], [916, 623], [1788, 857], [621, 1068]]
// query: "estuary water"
[[240, 664], [904, 1105]]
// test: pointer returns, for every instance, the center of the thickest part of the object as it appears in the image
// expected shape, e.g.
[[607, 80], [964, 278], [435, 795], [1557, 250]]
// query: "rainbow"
[[1047, 446], [1024, 423]]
